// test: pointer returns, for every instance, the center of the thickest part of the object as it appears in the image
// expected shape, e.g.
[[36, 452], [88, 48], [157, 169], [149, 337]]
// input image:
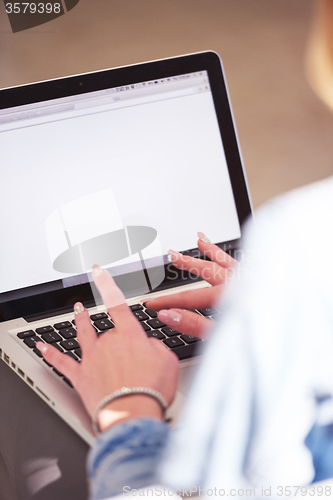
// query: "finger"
[[111, 295], [114, 300], [86, 333], [160, 346], [209, 271], [214, 253], [189, 299], [163, 348], [186, 322], [61, 362]]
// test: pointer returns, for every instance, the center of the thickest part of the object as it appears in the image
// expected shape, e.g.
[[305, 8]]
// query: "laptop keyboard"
[[63, 335]]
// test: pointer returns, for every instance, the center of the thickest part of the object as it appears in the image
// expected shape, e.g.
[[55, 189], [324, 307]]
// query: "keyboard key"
[[44, 329], [155, 323], [97, 316], [69, 345], [78, 352], [51, 337], [68, 382], [27, 333], [57, 346], [68, 333], [170, 332], [47, 363], [208, 311], [71, 355], [63, 324], [37, 351], [186, 351], [156, 333], [145, 326], [151, 312], [140, 315], [174, 342], [136, 307], [103, 324], [32, 341], [57, 372], [189, 339]]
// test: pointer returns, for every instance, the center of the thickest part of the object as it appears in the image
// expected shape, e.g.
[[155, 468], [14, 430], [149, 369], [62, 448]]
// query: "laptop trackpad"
[[186, 375]]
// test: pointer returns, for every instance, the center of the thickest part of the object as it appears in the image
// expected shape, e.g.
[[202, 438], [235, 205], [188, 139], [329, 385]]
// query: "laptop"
[[112, 167]]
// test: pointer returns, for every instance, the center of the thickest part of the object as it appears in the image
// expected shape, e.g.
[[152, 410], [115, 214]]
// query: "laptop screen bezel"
[[42, 302]]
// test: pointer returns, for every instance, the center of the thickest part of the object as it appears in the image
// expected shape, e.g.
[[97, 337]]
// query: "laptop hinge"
[[55, 312]]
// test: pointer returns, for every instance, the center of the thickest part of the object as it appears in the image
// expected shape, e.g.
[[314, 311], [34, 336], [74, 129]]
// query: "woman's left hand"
[[176, 309]]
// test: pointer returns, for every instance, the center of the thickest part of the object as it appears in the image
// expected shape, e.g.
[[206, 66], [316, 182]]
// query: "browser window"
[[155, 144]]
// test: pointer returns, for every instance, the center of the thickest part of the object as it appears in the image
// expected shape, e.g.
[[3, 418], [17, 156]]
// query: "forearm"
[[127, 454]]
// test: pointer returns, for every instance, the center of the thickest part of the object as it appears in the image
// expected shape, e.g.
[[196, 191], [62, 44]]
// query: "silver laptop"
[[114, 168]]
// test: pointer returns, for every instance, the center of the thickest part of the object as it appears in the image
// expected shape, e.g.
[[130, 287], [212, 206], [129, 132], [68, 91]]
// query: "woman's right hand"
[[175, 309], [122, 357]]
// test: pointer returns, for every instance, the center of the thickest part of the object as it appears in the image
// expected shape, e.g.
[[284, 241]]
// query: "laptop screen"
[[151, 149]]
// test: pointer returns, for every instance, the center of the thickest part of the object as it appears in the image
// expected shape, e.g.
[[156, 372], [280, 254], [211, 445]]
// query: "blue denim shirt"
[[127, 454], [260, 410]]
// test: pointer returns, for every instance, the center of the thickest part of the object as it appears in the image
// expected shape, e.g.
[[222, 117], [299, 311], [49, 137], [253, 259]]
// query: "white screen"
[[160, 153]]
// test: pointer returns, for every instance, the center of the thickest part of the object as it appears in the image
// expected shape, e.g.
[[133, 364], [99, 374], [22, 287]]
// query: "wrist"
[[127, 408]]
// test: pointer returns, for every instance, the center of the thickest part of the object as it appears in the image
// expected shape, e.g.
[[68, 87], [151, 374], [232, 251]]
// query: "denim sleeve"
[[127, 454]]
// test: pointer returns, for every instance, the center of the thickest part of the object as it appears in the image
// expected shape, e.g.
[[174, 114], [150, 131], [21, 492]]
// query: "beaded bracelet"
[[123, 392]]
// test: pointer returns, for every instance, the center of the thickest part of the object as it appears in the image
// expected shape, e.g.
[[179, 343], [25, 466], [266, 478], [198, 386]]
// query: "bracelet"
[[123, 392]]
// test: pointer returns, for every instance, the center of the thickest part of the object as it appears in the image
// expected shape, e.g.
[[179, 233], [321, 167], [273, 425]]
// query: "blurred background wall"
[[285, 132]]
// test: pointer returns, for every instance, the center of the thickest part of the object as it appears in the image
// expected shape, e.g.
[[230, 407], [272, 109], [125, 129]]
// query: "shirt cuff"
[[126, 455]]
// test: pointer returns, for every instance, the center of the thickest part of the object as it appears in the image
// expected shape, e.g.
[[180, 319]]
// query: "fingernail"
[[142, 301], [78, 308], [174, 253], [169, 316], [203, 237], [42, 347], [97, 271]]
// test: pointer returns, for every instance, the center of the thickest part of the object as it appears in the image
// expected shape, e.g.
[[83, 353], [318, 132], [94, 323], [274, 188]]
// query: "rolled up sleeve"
[[126, 456]]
